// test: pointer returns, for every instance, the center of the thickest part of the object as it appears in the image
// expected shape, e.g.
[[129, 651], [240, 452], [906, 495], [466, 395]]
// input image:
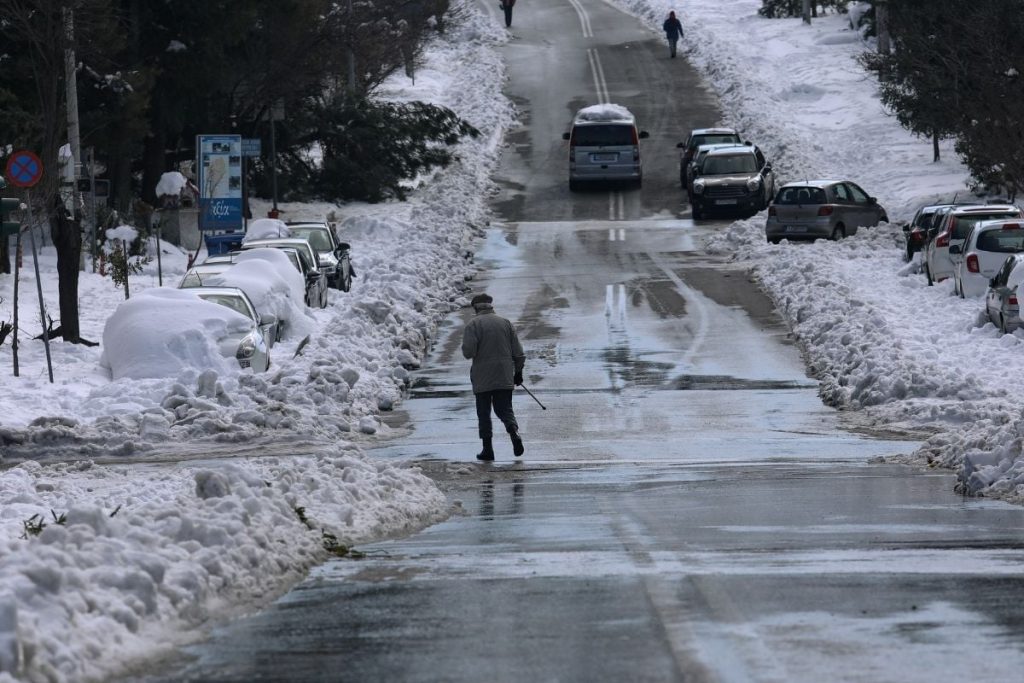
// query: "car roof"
[[309, 224], [984, 208], [714, 145], [295, 242], [713, 131], [598, 114], [998, 224], [726, 150], [822, 183]]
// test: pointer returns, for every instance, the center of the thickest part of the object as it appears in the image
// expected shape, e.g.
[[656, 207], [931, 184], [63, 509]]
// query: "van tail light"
[[772, 211], [942, 240], [825, 211], [636, 138], [972, 263]]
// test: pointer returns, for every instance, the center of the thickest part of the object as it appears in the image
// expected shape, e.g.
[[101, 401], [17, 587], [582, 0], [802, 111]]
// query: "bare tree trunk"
[[935, 147], [806, 11], [882, 27]]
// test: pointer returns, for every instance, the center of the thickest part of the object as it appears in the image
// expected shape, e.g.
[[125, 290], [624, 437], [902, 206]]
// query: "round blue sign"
[[24, 169]]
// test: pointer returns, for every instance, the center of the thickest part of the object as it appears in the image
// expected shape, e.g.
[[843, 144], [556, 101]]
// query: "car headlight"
[[246, 349], [698, 186], [753, 184]]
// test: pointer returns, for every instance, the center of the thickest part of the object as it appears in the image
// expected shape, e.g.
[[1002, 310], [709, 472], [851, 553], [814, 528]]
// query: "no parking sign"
[[24, 169]]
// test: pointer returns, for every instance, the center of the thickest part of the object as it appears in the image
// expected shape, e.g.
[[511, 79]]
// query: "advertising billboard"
[[219, 166]]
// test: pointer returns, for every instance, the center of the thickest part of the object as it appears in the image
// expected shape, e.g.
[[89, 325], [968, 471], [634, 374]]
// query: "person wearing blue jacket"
[[673, 31], [493, 345]]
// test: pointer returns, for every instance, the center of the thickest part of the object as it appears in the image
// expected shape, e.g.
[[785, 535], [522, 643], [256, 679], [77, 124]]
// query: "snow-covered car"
[[252, 348], [953, 228], [265, 228], [333, 254], [821, 209], [732, 178], [983, 254], [1001, 302], [200, 274], [161, 332], [316, 280]]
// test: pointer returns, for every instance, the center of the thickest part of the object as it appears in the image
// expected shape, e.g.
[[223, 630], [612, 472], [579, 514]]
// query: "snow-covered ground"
[[147, 551]]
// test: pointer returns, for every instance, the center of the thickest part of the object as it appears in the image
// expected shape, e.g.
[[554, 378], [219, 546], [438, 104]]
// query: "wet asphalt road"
[[687, 510]]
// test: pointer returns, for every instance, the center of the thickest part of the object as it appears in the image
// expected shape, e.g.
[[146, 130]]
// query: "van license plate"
[[604, 157]]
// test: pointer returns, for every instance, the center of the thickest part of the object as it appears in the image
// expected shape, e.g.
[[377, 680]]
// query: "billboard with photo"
[[219, 164]]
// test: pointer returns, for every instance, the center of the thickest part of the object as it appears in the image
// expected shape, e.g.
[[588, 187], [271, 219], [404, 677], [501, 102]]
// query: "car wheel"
[[928, 275], [838, 233]]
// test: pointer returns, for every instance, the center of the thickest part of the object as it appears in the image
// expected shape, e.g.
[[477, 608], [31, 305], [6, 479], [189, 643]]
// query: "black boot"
[[488, 452], [517, 444]]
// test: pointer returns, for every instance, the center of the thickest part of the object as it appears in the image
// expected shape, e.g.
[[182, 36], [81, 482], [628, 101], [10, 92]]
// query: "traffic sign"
[[24, 169]]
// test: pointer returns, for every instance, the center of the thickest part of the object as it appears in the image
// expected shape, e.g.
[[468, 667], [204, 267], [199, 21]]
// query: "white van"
[[604, 144]]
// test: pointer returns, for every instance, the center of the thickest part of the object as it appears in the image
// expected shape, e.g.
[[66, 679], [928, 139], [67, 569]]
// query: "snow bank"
[[170, 184]]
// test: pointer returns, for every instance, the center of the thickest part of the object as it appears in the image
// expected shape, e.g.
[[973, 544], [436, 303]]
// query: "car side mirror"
[[313, 276], [341, 249], [268, 319], [906, 227], [955, 249], [767, 165], [565, 136], [872, 200], [644, 134], [680, 145]]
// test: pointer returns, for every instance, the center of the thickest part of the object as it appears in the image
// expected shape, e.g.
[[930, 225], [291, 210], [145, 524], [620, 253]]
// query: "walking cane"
[[542, 406]]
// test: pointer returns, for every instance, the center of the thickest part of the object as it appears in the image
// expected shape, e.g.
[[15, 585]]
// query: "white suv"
[[983, 254], [956, 224]]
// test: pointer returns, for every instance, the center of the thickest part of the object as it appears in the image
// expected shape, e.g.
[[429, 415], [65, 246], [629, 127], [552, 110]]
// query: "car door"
[[846, 210], [767, 175], [868, 213]]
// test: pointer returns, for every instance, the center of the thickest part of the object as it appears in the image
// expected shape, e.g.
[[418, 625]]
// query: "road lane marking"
[[616, 234], [588, 32], [694, 302], [600, 84]]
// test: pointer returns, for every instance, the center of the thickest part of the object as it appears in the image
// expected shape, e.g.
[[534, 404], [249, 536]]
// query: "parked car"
[[983, 254], [816, 209], [214, 265], [697, 138], [954, 225], [1001, 303], [334, 257], [604, 145], [252, 348], [698, 159], [316, 280], [737, 177]]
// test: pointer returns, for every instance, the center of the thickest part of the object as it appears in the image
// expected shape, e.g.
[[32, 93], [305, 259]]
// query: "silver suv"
[[604, 144]]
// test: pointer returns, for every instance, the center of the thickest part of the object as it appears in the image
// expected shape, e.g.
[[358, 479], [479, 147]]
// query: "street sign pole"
[[39, 284], [17, 276]]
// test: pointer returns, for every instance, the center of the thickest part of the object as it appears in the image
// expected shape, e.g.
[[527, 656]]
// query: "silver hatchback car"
[[1001, 302], [816, 209]]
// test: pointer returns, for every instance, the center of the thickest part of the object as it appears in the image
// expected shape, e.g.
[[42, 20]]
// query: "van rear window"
[[603, 136]]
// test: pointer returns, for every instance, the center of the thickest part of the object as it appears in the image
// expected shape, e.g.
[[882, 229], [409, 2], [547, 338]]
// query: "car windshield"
[[727, 164], [713, 139], [963, 225], [800, 195], [235, 303], [603, 136], [317, 237], [1005, 241]]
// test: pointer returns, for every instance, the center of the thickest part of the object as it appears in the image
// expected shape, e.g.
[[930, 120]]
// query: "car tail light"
[[636, 154], [1012, 300], [942, 240], [636, 138], [825, 211], [771, 211], [1011, 226], [972, 263]]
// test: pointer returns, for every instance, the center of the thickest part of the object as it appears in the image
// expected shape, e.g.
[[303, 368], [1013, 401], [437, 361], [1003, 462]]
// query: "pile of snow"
[[266, 228], [603, 113], [125, 233], [171, 184], [163, 332]]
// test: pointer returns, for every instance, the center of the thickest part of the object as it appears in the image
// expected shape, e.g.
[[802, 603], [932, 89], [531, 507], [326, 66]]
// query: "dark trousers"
[[501, 401]]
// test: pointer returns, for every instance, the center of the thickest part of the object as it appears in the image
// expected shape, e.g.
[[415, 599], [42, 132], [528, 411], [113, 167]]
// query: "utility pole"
[[351, 53], [71, 79], [806, 12]]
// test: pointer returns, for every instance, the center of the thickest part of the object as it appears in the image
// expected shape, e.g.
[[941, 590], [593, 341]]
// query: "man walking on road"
[[506, 7], [673, 31], [498, 359]]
